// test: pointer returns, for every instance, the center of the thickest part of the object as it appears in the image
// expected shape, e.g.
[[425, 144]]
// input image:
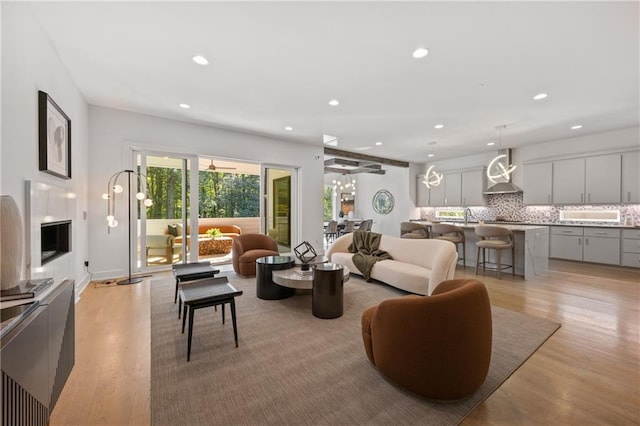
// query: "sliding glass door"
[[163, 238], [279, 208]]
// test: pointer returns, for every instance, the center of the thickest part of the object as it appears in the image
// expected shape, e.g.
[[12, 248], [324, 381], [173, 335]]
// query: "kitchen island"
[[531, 247]]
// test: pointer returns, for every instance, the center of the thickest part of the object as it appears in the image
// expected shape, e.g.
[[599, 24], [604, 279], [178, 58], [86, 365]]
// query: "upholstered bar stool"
[[414, 230], [496, 238], [455, 234]]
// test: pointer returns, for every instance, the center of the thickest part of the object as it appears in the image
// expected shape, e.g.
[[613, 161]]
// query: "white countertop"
[[511, 226]]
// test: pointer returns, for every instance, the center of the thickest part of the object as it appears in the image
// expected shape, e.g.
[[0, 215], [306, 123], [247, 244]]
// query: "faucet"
[[467, 214]]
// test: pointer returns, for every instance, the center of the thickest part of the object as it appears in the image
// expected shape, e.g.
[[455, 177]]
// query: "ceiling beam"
[[358, 156], [354, 171]]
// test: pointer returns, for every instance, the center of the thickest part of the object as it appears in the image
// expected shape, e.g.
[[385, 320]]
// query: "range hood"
[[505, 187]]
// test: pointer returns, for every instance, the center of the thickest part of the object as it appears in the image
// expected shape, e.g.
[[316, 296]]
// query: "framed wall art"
[[54, 138], [382, 202]]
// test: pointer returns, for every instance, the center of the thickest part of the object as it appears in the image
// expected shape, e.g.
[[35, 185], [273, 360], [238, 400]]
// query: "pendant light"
[[500, 169], [432, 178]]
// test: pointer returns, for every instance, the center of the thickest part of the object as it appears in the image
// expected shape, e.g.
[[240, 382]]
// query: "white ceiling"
[[278, 64]]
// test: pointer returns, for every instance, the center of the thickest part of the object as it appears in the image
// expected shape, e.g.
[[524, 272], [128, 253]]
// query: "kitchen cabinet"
[[597, 245], [453, 189], [422, 192], [568, 181], [436, 194], [601, 245], [631, 247], [537, 183], [595, 179], [472, 188], [603, 179], [631, 177], [566, 243]]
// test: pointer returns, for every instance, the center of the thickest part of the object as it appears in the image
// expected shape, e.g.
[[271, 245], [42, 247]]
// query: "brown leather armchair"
[[247, 248], [438, 346]]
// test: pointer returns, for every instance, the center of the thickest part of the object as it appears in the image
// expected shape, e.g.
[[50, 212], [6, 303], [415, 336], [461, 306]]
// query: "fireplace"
[[55, 240]]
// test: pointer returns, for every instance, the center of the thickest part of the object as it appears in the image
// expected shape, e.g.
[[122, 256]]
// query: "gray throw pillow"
[[175, 229]]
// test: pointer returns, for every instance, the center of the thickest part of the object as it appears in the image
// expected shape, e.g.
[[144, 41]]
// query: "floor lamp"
[[113, 188]]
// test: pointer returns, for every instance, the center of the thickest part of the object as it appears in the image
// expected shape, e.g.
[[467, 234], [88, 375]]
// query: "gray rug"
[[293, 368]]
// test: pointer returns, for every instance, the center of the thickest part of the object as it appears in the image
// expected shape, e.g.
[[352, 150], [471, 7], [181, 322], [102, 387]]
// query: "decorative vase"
[[11, 242]]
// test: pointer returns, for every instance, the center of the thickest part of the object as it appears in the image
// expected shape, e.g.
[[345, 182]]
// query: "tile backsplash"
[[510, 207]]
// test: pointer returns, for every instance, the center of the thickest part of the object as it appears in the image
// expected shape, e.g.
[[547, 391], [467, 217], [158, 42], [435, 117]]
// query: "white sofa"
[[417, 265]]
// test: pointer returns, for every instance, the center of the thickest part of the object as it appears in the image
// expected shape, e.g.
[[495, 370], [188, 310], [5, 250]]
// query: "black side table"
[[328, 291], [206, 293], [192, 271], [265, 287]]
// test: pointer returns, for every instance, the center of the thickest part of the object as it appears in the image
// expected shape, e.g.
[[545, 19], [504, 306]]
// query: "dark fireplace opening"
[[55, 240]]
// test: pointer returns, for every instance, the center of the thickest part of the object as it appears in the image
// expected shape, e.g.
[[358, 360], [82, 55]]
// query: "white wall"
[[29, 64], [114, 132], [396, 181]]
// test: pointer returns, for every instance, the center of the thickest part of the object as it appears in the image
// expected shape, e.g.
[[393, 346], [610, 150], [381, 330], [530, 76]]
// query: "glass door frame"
[[266, 192], [189, 162]]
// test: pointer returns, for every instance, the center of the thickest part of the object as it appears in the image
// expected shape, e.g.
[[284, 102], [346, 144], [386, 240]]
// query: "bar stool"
[[414, 230], [497, 238], [452, 233]]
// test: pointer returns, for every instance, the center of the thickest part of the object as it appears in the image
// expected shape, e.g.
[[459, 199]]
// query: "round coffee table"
[[293, 279]]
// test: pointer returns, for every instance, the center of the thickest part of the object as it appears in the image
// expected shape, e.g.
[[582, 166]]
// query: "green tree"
[[219, 194]]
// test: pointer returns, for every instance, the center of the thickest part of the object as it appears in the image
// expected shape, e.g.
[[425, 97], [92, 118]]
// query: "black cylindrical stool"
[[328, 289]]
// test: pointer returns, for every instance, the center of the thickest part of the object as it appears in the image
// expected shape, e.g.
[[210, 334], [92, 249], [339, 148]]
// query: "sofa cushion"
[[402, 275]]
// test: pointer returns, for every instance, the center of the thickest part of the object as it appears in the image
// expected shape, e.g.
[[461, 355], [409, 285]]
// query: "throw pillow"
[[175, 229]]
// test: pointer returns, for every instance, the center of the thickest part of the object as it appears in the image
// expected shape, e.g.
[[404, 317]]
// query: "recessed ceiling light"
[[438, 126], [334, 102], [288, 128], [184, 106], [540, 96], [491, 143], [378, 143], [431, 155], [200, 60], [420, 53], [576, 127]]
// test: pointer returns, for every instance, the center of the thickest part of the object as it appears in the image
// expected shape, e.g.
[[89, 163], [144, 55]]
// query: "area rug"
[[293, 368]]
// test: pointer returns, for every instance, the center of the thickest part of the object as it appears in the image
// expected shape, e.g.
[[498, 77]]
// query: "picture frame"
[[54, 138]]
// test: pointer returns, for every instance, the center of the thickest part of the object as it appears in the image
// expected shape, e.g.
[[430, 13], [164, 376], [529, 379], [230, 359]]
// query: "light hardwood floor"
[[587, 373]]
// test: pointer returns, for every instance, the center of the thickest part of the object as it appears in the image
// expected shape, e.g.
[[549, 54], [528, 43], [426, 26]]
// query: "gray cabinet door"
[[537, 183], [453, 189], [472, 188], [566, 247], [631, 177], [603, 179], [422, 192], [568, 181], [602, 250], [436, 195]]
